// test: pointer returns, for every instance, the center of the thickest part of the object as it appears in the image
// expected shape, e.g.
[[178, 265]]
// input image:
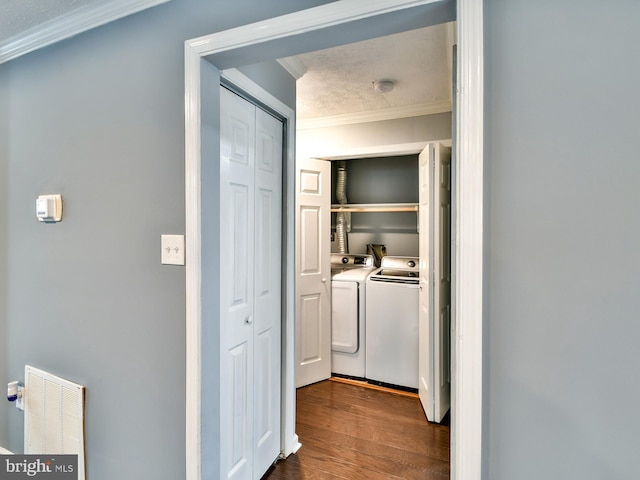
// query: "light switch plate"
[[172, 249]]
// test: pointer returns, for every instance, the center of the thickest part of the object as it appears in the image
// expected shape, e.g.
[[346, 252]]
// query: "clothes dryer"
[[348, 303]]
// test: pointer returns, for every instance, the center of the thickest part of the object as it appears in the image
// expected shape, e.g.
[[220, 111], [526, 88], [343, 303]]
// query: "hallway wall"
[[99, 118], [4, 211], [562, 230], [318, 142]]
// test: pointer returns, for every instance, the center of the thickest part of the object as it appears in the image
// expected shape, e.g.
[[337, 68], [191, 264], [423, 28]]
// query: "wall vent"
[[53, 416]]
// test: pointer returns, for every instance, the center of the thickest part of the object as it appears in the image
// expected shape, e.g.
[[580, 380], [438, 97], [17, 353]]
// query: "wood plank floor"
[[352, 432]]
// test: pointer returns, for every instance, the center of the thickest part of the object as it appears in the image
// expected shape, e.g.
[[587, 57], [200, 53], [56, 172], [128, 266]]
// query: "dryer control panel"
[[348, 260]]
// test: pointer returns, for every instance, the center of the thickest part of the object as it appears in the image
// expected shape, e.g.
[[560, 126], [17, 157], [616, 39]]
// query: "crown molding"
[[71, 24], [414, 110], [295, 67]]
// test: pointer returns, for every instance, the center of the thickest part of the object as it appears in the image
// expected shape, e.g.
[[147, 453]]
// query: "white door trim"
[[296, 23], [374, 151], [468, 185], [467, 348]]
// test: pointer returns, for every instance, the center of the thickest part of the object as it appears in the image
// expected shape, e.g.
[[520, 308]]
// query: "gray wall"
[[100, 119], [281, 84], [563, 255], [4, 284], [317, 142], [381, 180]]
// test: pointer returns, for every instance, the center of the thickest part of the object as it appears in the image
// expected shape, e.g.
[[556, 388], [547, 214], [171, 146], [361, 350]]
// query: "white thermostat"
[[49, 208]]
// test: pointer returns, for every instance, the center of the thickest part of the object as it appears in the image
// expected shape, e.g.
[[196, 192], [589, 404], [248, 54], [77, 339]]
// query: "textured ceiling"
[[340, 80], [17, 16]]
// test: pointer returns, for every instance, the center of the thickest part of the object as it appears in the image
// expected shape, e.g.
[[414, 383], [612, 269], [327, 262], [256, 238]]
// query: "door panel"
[[313, 306], [238, 395], [264, 386], [239, 248], [310, 329], [310, 220], [264, 246]]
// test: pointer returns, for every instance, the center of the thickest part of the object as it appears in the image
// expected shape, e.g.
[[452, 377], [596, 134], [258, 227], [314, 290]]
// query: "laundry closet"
[[380, 208], [374, 315]]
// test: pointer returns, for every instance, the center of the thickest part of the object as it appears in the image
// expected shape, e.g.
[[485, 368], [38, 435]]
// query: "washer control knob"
[[411, 263], [345, 260]]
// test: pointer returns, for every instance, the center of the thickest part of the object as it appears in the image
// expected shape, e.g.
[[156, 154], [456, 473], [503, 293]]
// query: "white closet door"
[[250, 266], [313, 268], [434, 386], [441, 324], [268, 291]]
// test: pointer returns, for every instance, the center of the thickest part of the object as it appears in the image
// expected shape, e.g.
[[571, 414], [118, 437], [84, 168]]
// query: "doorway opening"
[[380, 180], [199, 58]]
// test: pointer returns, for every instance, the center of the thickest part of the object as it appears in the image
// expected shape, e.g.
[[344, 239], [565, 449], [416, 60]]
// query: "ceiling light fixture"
[[383, 86]]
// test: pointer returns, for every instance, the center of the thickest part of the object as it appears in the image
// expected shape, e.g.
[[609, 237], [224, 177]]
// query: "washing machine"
[[349, 275], [392, 306]]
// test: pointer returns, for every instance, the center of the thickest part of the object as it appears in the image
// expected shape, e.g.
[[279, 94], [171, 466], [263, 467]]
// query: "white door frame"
[[466, 431]]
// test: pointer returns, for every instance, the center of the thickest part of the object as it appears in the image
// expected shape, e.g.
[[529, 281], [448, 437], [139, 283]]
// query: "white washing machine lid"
[[403, 270], [353, 274]]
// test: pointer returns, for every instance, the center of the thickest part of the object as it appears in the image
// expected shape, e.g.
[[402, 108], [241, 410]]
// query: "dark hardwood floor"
[[353, 432]]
